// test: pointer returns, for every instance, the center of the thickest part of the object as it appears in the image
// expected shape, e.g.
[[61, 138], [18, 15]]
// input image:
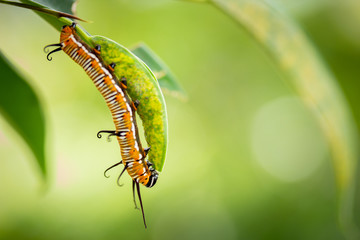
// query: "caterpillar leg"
[[123, 82], [146, 150], [112, 66], [97, 49], [73, 25], [135, 104]]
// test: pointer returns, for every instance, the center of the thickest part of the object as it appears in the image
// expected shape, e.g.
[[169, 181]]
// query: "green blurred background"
[[246, 159]]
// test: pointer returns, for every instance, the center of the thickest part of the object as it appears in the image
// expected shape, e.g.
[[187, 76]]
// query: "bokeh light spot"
[[286, 140]]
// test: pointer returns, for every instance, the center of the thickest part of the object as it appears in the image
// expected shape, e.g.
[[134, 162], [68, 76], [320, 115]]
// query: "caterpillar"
[[121, 107]]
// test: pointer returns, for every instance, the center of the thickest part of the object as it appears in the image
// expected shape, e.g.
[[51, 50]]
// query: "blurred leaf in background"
[[21, 107], [168, 83], [25, 113]]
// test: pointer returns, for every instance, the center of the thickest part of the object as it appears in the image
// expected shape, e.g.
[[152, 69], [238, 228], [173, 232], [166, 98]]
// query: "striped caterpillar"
[[119, 103]]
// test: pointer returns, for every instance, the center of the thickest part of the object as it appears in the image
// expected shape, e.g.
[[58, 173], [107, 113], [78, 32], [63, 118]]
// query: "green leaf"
[[21, 108], [41, 9], [306, 72], [168, 82], [143, 86], [65, 6]]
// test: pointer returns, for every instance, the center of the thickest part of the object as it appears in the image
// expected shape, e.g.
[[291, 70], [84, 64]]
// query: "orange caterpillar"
[[119, 103]]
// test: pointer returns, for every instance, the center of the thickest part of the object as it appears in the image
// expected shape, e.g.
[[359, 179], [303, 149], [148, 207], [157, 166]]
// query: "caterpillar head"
[[153, 177], [67, 31]]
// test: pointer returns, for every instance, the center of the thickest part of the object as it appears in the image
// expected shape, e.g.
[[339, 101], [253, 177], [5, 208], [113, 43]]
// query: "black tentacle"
[[55, 50], [111, 133], [118, 180], [51, 45], [141, 205], [111, 168], [133, 188], [105, 131]]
